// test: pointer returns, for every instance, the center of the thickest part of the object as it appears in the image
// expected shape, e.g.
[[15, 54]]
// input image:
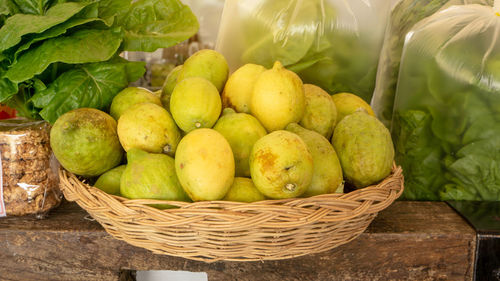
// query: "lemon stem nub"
[[290, 187], [167, 149], [197, 124]]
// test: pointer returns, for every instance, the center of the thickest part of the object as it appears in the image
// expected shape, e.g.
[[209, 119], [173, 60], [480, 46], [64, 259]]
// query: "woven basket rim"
[[121, 217]]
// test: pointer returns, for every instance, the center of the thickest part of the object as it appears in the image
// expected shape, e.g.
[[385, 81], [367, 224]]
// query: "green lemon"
[[321, 112], [195, 103], [149, 127], [208, 64], [109, 182], [243, 190], [129, 97], [85, 142], [151, 176], [241, 130]]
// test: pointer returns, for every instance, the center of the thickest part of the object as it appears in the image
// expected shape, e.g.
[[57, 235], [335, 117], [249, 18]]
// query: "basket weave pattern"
[[221, 230]]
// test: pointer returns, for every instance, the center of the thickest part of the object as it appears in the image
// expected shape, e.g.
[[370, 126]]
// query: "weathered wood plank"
[[408, 241]]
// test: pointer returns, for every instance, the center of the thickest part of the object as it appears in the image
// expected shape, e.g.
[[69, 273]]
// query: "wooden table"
[[407, 241]]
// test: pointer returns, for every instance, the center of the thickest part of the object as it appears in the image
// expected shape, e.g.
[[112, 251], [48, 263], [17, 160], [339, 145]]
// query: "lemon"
[[205, 165], [365, 149], [85, 142], [347, 103], [109, 182], [243, 190], [281, 165], [195, 103], [278, 98], [241, 130], [129, 97], [169, 85], [208, 64], [149, 127], [151, 176], [321, 113], [239, 87], [327, 175]]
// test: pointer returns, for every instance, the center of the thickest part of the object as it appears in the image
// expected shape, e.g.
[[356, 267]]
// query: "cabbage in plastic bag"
[[447, 108], [334, 44], [403, 17]]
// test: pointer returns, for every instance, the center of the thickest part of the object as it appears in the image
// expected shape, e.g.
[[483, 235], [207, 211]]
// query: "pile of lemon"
[[255, 134]]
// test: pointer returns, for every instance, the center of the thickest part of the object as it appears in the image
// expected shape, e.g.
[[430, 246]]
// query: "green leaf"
[[22, 24], [153, 24], [87, 15], [21, 104], [91, 85], [35, 7], [418, 155], [7, 87], [477, 168], [108, 9], [8, 8], [81, 47]]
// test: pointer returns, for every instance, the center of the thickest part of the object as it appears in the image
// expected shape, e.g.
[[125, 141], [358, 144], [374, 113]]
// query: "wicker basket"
[[221, 230]]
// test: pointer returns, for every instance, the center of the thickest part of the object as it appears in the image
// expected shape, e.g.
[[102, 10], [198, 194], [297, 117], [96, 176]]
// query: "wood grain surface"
[[407, 241]]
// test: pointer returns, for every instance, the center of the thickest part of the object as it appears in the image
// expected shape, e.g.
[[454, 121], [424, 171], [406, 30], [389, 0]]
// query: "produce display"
[[446, 110], [333, 44], [56, 56], [271, 140]]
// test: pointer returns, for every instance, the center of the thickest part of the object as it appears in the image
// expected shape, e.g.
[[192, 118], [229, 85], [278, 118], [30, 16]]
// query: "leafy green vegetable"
[[22, 24], [54, 32], [7, 7], [419, 156], [101, 45], [446, 124], [56, 56], [91, 85], [402, 19], [35, 7], [151, 24]]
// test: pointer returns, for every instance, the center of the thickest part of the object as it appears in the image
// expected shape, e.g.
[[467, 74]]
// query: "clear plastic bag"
[[446, 123], [403, 17], [334, 44], [29, 179], [208, 13]]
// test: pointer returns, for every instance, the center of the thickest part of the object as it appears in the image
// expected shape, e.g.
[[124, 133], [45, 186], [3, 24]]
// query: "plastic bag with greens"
[[334, 44], [447, 109], [403, 17]]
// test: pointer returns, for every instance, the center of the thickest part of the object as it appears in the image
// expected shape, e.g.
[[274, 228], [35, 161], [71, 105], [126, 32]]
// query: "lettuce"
[[446, 122], [57, 55]]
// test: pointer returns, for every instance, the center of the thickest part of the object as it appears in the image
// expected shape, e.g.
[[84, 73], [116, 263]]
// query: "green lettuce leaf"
[[418, 155], [153, 24], [7, 88], [109, 9], [22, 24], [478, 168], [35, 7], [87, 15], [90, 85], [81, 47], [8, 8]]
